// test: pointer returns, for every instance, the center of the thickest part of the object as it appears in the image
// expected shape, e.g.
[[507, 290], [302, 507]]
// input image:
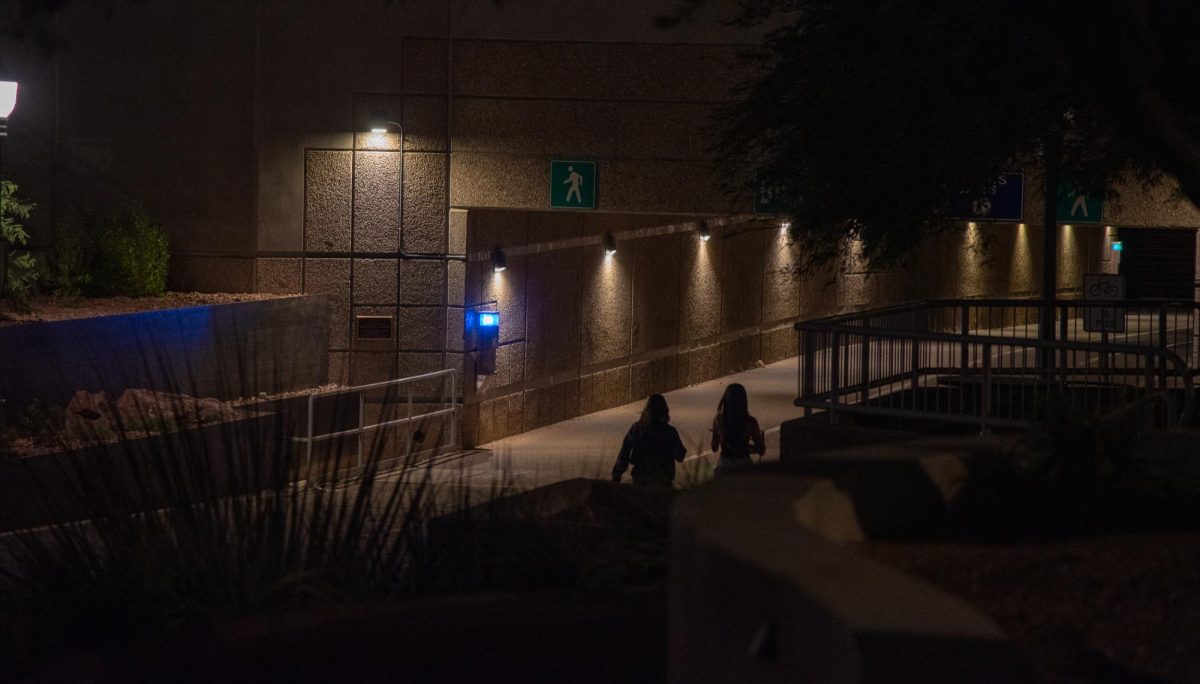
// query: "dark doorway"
[[1158, 262]]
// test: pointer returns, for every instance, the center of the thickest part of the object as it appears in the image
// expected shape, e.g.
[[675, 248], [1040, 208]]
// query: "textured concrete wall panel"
[[457, 232], [562, 225], [421, 281], [781, 278], [701, 293], [332, 277], [210, 274], [421, 328], [488, 229], [426, 61], [656, 292], [374, 281], [510, 364], [1162, 206], [507, 290], [278, 276], [607, 282], [646, 130], [592, 70], [424, 123], [376, 201], [553, 292], [367, 367], [632, 185], [741, 279], [327, 201], [424, 203]]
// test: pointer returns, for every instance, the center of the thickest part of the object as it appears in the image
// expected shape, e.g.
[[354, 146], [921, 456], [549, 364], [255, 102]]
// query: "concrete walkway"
[[587, 446]]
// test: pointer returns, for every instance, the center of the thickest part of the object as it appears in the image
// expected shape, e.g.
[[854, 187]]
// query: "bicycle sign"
[[1102, 286]]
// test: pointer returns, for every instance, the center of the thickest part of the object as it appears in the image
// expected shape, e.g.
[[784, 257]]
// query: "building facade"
[[382, 152]]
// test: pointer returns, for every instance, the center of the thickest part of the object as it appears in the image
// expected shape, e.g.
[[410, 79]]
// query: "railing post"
[[916, 367], [835, 357], [309, 435], [865, 372], [965, 327], [808, 374], [985, 399], [1063, 334], [362, 420]]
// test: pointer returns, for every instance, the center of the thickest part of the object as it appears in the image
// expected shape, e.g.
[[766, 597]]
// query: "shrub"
[[130, 257], [70, 264], [22, 268]]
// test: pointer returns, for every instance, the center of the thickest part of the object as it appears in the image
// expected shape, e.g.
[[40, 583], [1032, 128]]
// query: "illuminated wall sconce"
[[610, 244], [784, 226], [499, 262], [379, 123], [703, 232]]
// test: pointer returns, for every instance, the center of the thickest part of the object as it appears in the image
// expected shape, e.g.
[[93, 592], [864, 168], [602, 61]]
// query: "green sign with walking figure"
[[1077, 207], [572, 184]]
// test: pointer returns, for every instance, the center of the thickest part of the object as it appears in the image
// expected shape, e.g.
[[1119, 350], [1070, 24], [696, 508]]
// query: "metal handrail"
[[449, 401], [832, 337]]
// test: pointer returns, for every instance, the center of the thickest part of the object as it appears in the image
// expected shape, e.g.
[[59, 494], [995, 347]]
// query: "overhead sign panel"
[[1003, 200], [572, 184]]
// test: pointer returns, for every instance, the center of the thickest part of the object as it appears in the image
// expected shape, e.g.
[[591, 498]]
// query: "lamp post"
[[8, 100]]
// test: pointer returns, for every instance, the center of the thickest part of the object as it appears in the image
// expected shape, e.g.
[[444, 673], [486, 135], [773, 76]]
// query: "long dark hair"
[[733, 411], [655, 411]]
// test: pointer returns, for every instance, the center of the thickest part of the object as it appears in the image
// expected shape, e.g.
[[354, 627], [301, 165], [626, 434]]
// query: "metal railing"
[[982, 361], [386, 397]]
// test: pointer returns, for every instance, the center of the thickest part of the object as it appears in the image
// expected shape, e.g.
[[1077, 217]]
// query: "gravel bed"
[[61, 309]]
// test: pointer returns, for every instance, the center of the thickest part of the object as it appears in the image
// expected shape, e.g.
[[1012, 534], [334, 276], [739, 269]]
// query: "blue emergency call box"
[[483, 331]]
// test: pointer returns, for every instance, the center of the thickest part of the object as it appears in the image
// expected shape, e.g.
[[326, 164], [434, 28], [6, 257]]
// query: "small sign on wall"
[[373, 327]]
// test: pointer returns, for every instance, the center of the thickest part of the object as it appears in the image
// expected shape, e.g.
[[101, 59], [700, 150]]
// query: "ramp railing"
[[982, 361], [399, 421]]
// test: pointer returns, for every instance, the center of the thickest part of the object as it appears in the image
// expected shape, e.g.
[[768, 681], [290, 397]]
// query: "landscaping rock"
[[138, 407], [89, 416]]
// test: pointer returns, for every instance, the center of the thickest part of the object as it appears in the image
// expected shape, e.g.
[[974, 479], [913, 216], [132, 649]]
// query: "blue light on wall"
[[489, 319], [1118, 246]]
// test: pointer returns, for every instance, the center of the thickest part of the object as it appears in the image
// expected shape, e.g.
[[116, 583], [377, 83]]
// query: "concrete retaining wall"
[[225, 351]]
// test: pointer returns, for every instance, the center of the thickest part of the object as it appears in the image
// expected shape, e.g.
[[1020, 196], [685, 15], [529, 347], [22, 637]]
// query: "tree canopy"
[[874, 118]]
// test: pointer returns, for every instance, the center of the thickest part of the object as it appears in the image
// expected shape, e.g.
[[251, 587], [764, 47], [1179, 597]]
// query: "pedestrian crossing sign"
[[572, 184]]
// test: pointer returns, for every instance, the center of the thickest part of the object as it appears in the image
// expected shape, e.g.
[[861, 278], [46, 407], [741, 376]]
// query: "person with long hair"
[[652, 446], [735, 433]]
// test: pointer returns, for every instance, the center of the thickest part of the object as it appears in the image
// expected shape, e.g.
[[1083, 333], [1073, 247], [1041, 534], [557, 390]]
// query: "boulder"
[[89, 416], [151, 408]]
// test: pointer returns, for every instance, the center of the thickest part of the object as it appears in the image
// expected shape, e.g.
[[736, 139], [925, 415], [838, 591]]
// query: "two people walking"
[[652, 445]]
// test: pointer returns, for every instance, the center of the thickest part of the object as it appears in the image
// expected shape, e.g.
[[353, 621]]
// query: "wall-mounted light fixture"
[[784, 226], [1118, 246], [499, 263], [703, 232], [610, 244], [379, 123]]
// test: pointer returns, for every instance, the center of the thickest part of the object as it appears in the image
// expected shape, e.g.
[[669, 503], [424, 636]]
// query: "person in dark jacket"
[[652, 446]]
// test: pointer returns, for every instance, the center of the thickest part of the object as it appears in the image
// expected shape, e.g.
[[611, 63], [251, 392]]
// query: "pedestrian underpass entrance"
[[1158, 263]]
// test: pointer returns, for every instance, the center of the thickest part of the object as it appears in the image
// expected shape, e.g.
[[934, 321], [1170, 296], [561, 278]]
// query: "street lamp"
[[8, 101]]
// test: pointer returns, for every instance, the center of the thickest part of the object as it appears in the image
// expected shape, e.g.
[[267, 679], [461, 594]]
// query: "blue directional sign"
[[1003, 200]]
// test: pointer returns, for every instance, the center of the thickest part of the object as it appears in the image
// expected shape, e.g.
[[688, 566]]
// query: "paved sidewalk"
[[587, 446]]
